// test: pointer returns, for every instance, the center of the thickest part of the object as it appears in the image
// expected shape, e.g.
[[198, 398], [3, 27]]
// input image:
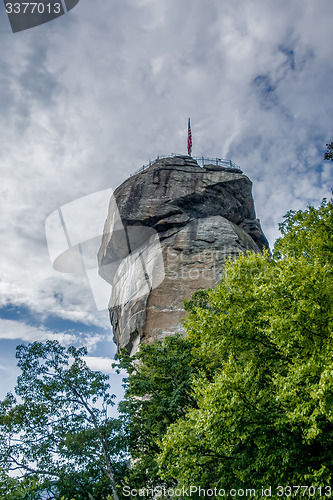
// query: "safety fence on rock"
[[201, 160]]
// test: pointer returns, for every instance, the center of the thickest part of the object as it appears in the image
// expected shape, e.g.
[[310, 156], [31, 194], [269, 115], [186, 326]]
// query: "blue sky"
[[88, 98]]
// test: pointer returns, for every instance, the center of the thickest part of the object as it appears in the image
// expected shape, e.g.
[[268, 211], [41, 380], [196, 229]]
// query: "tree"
[[265, 392], [329, 152], [158, 392], [308, 234], [27, 489], [55, 427]]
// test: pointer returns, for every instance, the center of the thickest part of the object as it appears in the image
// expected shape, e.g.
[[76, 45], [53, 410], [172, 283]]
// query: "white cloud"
[[21, 331], [99, 363], [94, 95]]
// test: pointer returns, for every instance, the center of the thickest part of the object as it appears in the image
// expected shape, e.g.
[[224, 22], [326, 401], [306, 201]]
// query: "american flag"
[[189, 139]]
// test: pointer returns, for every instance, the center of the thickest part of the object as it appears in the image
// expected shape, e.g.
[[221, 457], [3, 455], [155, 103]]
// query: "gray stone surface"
[[169, 231]]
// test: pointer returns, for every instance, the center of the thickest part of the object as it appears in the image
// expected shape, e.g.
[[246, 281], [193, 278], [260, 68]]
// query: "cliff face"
[[168, 233]]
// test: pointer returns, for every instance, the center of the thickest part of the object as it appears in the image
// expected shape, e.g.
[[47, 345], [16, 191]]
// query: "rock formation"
[[169, 231]]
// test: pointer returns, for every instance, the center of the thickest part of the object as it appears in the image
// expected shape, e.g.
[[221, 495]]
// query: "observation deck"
[[201, 160]]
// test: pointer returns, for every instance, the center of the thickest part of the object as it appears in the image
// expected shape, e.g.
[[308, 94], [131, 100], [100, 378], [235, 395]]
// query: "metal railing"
[[204, 161], [216, 161]]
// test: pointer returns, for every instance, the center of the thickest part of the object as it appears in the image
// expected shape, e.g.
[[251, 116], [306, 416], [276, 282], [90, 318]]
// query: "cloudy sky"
[[91, 96]]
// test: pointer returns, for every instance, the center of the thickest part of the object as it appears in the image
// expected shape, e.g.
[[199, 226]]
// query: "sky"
[[88, 98]]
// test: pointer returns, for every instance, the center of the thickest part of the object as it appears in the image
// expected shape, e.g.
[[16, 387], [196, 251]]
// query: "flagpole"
[[189, 138]]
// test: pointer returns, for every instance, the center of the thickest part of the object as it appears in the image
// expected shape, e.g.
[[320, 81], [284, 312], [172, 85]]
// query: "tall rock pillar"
[[176, 225]]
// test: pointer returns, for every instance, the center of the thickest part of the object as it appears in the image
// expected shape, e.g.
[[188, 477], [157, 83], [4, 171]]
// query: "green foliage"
[[245, 400], [264, 393], [28, 488], [308, 234], [329, 152], [55, 426], [158, 392]]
